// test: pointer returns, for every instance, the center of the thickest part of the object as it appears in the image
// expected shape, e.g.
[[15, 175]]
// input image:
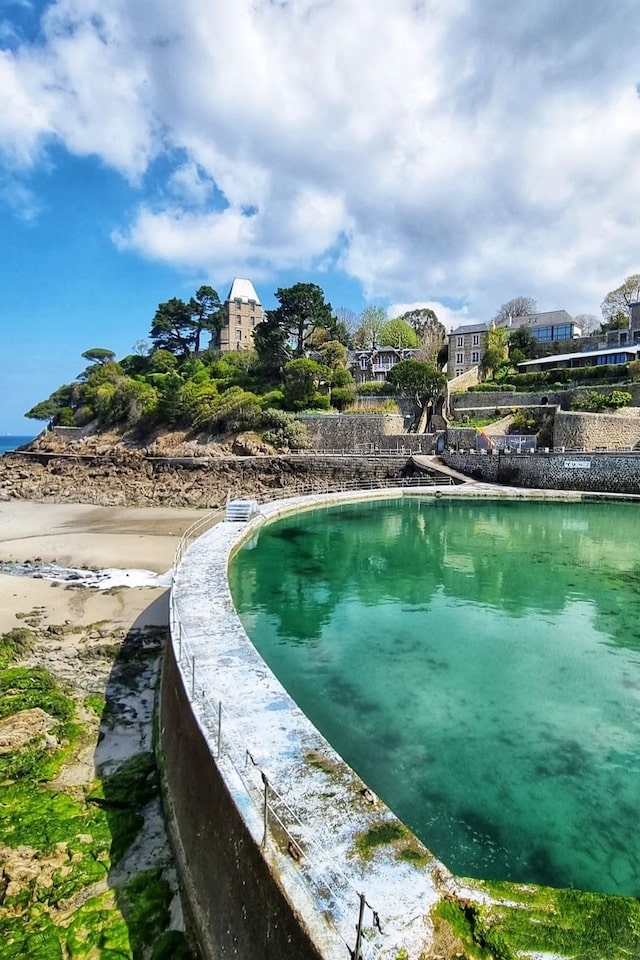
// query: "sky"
[[450, 153]]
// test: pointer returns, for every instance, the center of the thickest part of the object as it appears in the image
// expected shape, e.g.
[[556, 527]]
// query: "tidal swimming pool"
[[477, 663]]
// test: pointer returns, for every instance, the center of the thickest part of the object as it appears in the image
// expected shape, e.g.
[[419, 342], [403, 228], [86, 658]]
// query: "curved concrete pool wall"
[[295, 896]]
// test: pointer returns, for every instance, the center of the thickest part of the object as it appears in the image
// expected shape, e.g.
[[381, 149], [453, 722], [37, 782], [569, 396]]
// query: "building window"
[[459, 373], [238, 318], [460, 341], [475, 357], [623, 337], [238, 334], [476, 340], [252, 321], [459, 358], [239, 302]]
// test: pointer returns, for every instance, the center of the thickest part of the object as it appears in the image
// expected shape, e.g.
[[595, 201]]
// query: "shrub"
[[341, 397], [524, 421], [595, 401], [273, 400], [375, 388], [285, 431]]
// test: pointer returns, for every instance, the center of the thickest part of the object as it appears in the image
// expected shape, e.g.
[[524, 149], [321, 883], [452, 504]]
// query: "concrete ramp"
[[433, 464]]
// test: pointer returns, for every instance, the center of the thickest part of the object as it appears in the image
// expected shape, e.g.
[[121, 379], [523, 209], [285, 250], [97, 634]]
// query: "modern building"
[[584, 358], [547, 327], [467, 343], [243, 312]]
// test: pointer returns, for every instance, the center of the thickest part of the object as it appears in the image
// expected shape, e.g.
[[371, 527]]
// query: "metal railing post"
[[265, 815], [357, 955], [219, 727], [193, 677]]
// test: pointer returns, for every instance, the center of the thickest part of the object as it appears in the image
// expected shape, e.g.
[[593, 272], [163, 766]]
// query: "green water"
[[478, 664]]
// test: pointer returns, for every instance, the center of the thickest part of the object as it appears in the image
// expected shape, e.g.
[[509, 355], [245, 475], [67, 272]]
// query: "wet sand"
[[80, 535]]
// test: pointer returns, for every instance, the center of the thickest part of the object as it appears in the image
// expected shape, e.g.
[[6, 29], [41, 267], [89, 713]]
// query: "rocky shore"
[[127, 477]]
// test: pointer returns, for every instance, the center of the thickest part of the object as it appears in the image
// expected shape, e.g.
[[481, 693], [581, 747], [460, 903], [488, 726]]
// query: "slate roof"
[[243, 290]]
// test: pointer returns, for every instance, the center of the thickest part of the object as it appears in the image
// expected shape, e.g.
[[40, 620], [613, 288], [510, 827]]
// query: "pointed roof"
[[243, 290]]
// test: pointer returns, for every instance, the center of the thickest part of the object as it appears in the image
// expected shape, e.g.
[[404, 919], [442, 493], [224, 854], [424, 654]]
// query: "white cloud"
[[449, 317], [444, 150]]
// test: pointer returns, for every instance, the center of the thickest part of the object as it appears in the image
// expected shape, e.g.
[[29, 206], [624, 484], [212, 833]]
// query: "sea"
[[9, 442]]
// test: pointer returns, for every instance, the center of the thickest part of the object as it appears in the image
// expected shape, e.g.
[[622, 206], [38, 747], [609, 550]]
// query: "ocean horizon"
[[10, 441]]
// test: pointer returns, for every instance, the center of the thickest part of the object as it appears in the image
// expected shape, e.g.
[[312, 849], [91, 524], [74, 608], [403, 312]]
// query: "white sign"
[[578, 464]]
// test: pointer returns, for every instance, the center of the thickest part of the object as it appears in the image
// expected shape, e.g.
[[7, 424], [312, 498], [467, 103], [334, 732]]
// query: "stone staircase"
[[240, 511]]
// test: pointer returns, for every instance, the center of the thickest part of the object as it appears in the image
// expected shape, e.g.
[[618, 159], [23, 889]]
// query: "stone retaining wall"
[[588, 472], [592, 430], [344, 432], [561, 398], [490, 401]]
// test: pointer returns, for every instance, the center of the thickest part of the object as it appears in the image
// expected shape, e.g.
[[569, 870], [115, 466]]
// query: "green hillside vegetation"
[[299, 363], [171, 383]]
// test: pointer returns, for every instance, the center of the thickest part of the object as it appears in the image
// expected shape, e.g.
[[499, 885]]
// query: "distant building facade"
[[243, 312], [467, 344], [373, 365]]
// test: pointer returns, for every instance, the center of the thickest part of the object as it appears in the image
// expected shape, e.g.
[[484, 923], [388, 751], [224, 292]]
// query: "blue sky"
[[455, 154]]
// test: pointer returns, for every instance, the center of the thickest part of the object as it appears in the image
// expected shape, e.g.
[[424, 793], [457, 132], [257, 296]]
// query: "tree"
[[421, 380], [333, 354], [522, 340], [518, 307], [430, 330], [495, 355], [99, 355], [367, 333], [588, 323], [286, 331], [398, 333], [302, 379], [178, 326], [616, 304]]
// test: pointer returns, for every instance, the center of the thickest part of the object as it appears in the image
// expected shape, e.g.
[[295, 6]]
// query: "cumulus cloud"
[[445, 150], [449, 317]]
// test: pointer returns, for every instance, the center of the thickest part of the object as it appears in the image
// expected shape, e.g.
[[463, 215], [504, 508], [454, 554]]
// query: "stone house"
[[374, 364]]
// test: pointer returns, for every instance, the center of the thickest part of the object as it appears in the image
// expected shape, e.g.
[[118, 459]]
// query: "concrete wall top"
[[224, 666]]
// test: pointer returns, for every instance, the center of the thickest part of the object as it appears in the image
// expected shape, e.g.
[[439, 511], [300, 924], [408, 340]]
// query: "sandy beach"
[[80, 535]]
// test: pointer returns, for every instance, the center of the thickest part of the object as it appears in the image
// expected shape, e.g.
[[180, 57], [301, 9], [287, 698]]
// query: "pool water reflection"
[[477, 663]]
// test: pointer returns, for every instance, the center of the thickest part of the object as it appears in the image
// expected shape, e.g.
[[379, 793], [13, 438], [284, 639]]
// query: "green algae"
[[64, 904], [15, 644], [25, 689], [386, 833], [567, 923]]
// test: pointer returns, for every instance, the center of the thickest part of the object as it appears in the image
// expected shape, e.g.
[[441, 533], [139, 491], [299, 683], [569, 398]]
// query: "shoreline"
[[89, 537], [80, 668]]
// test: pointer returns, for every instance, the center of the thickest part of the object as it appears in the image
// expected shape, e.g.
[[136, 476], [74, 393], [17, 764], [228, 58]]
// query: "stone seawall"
[[587, 472], [128, 479], [236, 904]]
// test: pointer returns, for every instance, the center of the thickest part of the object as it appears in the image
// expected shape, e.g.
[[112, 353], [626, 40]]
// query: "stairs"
[[240, 511]]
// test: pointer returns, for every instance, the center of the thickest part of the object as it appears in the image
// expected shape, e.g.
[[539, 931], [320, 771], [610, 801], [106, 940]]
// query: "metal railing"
[[323, 881], [327, 485]]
